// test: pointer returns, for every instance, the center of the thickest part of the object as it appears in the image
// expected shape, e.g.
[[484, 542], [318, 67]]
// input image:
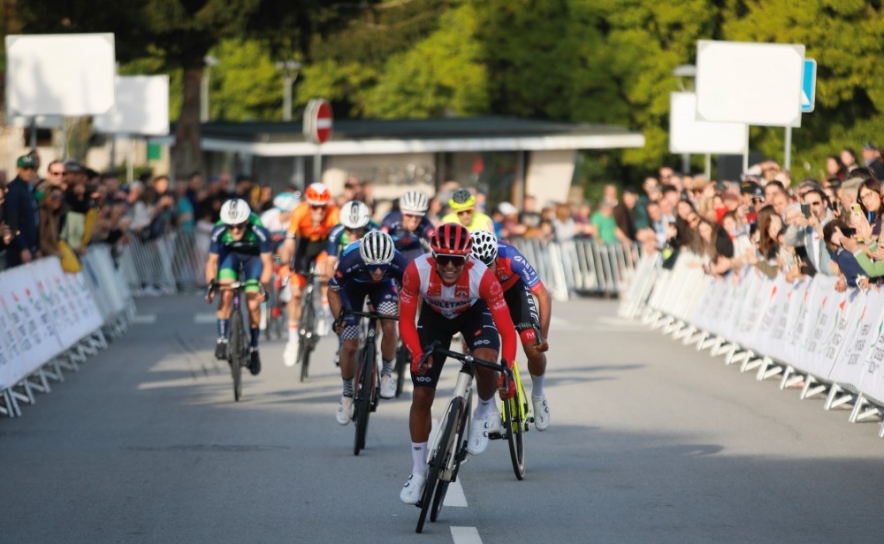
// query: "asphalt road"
[[650, 442]]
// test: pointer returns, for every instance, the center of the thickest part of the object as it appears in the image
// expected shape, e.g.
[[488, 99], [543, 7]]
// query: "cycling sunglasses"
[[241, 226], [378, 267], [456, 260]]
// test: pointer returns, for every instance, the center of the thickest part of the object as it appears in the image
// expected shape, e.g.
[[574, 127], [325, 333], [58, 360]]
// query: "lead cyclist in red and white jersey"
[[461, 295]]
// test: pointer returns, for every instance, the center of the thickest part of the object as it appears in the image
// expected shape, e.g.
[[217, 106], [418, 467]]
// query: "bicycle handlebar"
[[464, 358], [370, 314]]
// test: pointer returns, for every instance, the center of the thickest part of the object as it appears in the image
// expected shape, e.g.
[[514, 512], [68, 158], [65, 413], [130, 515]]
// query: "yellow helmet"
[[461, 200]]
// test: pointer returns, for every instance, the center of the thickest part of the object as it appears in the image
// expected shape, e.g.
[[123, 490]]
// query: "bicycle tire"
[[403, 360], [515, 432], [305, 345], [450, 440], [235, 352], [362, 399]]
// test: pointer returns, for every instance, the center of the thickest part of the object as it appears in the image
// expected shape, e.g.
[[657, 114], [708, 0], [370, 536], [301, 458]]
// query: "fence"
[[50, 321], [176, 262], [804, 333]]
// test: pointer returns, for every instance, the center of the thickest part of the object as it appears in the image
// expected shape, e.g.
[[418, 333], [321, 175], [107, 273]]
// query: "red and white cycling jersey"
[[421, 281]]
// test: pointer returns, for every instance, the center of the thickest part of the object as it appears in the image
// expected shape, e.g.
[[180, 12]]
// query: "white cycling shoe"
[[345, 410], [541, 412], [413, 489], [290, 355], [479, 430], [388, 387]]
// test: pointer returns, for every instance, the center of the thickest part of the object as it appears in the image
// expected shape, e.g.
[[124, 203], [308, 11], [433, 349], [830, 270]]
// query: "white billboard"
[[142, 107], [752, 83], [688, 135], [60, 74]]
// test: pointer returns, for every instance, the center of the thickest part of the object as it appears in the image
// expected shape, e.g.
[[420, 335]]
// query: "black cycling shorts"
[[307, 252], [523, 307], [476, 325]]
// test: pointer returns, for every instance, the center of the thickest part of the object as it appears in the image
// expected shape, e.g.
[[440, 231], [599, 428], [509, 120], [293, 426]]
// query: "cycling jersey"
[[352, 268], [512, 266], [301, 225], [422, 281], [407, 242], [339, 238], [274, 224], [480, 221], [255, 240]]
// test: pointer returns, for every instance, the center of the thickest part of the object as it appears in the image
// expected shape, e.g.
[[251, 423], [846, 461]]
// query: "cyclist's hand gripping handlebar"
[[210, 291], [540, 341], [426, 362], [506, 385]]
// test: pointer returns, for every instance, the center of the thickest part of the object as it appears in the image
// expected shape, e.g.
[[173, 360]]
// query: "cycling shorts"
[[476, 325], [522, 306], [308, 251], [383, 296], [229, 263]]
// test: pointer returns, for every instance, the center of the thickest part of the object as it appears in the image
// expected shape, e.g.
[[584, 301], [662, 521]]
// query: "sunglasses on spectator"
[[56, 172], [241, 226], [817, 203], [445, 260]]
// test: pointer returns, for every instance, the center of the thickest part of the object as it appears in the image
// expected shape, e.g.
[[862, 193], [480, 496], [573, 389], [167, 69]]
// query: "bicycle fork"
[[463, 390]]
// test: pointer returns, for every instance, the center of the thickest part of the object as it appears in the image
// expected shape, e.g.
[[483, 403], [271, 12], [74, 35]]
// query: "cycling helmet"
[[484, 246], [376, 248], [355, 215], [235, 211], [286, 201], [461, 200], [414, 203], [451, 239], [317, 194]]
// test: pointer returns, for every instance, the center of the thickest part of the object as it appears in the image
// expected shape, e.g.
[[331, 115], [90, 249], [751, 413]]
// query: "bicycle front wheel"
[[362, 398], [514, 423], [235, 352], [446, 452]]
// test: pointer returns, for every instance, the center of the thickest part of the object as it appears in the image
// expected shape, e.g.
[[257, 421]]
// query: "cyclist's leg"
[[252, 269], [296, 283], [483, 341], [227, 267], [352, 296], [385, 299], [324, 275], [523, 310]]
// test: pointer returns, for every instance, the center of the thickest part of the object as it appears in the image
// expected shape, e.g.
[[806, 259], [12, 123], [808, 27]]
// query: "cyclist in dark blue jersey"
[[409, 227], [369, 268], [239, 241]]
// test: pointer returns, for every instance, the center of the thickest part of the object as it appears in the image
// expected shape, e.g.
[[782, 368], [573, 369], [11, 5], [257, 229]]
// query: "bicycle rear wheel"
[[305, 346], [362, 398], [447, 448], [235, 352], [514, 424]]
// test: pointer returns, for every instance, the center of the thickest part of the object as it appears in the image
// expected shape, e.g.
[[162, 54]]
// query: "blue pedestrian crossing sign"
[[808, 86]]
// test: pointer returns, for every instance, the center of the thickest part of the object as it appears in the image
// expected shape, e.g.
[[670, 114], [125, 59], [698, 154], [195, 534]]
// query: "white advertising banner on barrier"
[[865, 330]]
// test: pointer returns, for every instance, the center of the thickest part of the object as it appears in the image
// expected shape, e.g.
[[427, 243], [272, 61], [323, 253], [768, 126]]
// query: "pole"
[[113, 154], [746, 154], [317, 165], [707, 166], [787, 160], [287, 83], [204, 94], [33, 132], [130, 167], [685, 163]]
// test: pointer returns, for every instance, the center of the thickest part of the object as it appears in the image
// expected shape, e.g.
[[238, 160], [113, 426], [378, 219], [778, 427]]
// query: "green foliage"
[[245, 84]]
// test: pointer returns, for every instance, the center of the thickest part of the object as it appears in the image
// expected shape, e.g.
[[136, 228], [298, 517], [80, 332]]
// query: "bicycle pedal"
[[495, 436]]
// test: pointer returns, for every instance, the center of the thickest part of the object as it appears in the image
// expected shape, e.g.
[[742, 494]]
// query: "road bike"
[[403, 364], [275, 310], [367, 388], [449, 447], [238, 343], [307, 329], [516, 416]]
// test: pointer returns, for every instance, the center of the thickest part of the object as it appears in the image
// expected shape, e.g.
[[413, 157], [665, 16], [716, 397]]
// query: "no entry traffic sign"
[[318, 120]]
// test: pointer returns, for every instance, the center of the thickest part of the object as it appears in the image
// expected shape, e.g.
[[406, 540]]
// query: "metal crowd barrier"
[[171, 263]]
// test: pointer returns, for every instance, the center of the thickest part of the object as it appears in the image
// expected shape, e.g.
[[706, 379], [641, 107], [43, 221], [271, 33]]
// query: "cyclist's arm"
[[531, 278], [215, 246], [267, 271], [409, 297], [544, 301], [335, 301], [211, 268], [491, 292]]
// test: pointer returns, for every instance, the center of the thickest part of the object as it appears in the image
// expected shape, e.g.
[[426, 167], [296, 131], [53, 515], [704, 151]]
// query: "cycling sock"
[[387, 369], [419, 458], [348, 387], [223, 326], [293, 332], [256, 334], [483, 408], [536, 386]]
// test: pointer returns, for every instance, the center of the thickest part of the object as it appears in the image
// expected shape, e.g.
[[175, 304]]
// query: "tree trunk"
[[188, 134]]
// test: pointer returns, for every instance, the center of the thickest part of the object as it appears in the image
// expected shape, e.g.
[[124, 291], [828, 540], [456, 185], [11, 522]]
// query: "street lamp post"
[[210, 61], [289, 69], [688, 71]]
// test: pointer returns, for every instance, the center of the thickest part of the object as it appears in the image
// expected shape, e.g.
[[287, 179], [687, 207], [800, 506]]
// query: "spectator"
[[194, 187], [733, 224], [184, 208], [6, 234], [50, 215], [82, 213], [265, 201], [850, 194], [545, 232], [872, 160], [834, 167], [529, 216], [625, 213], [771, 190], [508, 226], [20, 211], [654, 237], [668, 200], [55, 173], [434, 212], [807, 233], [848, 267], [563, 224], [848, 159], [243, 189], [768, 260], [605, 224], [610, 194], [871, 204]]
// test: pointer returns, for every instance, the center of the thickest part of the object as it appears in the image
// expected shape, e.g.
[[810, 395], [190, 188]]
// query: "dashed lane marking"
[[455, 495], [465, 535], [205, 318], [144, 319]]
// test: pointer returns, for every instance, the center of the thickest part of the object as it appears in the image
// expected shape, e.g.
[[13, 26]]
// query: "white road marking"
[[205, 318], [455, 495], [465, 535], [144, 319]]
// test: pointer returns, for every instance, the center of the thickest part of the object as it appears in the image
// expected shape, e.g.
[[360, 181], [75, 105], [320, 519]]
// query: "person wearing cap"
[[20, 212], [463, 211], [872, 158]]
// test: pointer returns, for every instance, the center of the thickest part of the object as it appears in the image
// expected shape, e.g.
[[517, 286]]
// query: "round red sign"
[[322, 122]]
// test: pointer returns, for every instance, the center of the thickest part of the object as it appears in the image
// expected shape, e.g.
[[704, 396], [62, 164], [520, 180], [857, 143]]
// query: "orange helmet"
[[317, 194]]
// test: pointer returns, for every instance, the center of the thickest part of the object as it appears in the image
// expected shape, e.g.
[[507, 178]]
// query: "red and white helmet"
[[451, 239], [317, 194]]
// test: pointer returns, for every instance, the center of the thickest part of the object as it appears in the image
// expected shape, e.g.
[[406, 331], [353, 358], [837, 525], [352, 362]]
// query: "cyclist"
[[463, 206], [276, 219], [238, 240], [409, 226], [355, 222], [460, 294], [370, 267], [306, 242], [521, 284]]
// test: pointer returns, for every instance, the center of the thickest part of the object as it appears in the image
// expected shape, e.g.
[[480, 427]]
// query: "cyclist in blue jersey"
[[521, 283], [369, 268], [239, 241], [409, 227]]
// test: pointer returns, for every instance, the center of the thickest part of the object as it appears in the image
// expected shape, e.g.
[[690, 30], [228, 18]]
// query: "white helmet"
[[414, 203], [286, 201], [377, 248], [484, 246], [355, 215], [235, 211]]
